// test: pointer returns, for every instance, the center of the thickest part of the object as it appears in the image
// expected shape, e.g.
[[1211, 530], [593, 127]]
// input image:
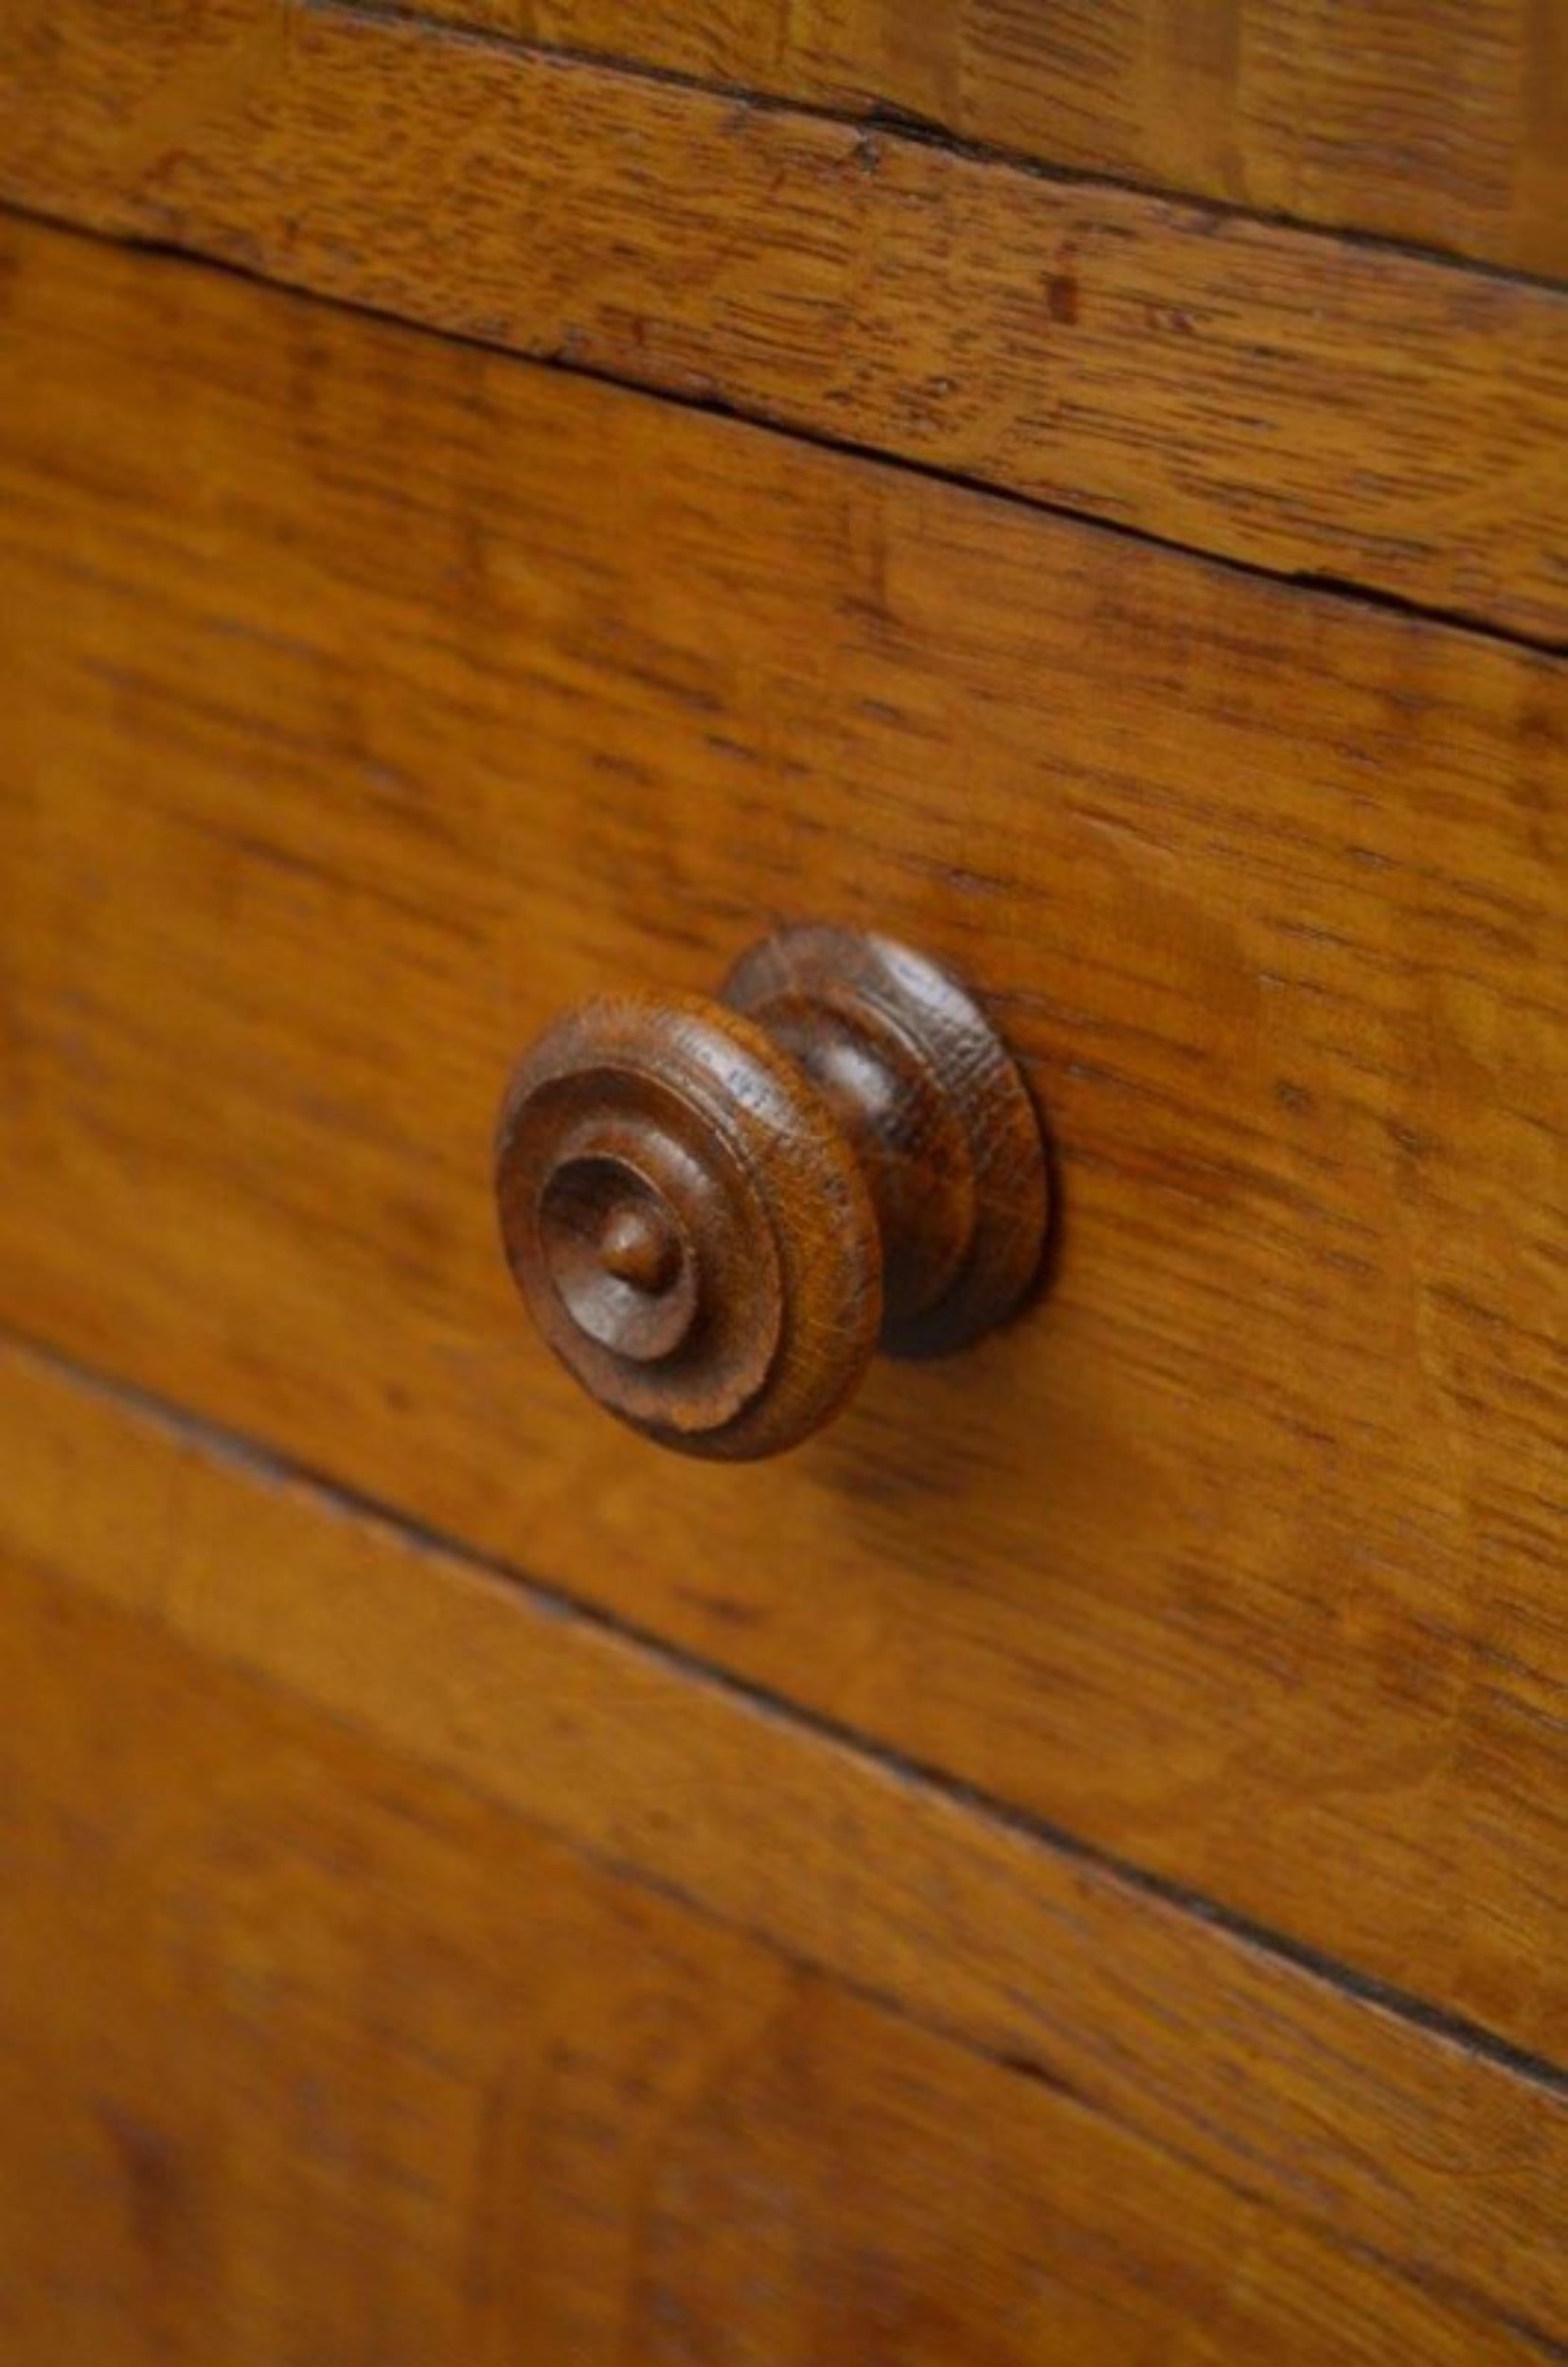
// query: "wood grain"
[[1448, 126], [370, 700], [340, 2027], [1281, 399]]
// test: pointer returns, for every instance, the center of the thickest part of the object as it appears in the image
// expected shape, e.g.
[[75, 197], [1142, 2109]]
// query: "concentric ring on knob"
[[943, 1124], [689, 1224], [618, 1255]]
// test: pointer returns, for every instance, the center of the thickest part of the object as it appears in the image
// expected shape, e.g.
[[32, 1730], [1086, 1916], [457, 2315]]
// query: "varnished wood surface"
[[1446, 125], [396, 1958], [717, 1209], [1292, 401], [370, 700]]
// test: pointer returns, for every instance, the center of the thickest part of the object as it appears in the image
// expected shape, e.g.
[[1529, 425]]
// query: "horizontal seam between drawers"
[[926, 133], [1312, 584], [266, 1464]]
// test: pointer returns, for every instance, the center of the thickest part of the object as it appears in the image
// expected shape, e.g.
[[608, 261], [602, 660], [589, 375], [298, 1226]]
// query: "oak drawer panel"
[[1292, 401], [404, 1970], [1445, 126], [374, 698]]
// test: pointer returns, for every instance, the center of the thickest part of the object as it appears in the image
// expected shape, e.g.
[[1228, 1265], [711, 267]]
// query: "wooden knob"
[[716, 1210]]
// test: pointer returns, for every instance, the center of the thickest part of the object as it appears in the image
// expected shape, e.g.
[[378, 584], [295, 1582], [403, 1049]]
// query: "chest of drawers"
[[1067, 1861]]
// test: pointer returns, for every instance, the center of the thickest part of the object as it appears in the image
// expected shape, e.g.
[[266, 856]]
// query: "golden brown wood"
[[1302, 405], [1447, 125], [376, 2031], [370, 700], [716, 1210]]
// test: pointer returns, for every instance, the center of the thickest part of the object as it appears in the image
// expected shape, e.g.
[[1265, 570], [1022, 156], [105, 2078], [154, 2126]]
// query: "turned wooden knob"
[[717, 1210]]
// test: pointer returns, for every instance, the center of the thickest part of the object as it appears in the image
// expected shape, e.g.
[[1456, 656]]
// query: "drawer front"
[[376, 698], [1306, 405], [410, 1972]]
